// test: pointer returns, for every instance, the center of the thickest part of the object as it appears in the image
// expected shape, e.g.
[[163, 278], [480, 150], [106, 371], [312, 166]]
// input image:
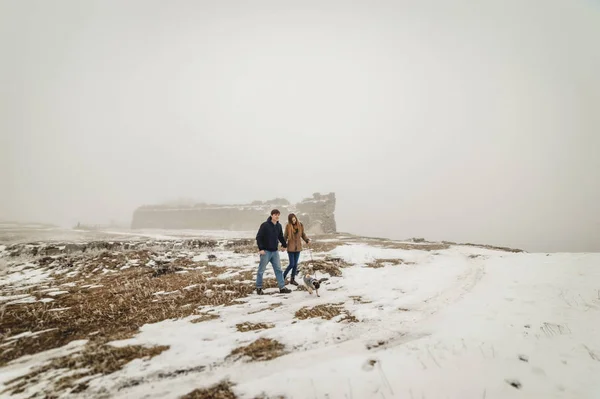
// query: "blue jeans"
[[294, 257], [273, 257]]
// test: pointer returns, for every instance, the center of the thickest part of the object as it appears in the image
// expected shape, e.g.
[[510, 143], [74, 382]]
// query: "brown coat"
[[294, 240]]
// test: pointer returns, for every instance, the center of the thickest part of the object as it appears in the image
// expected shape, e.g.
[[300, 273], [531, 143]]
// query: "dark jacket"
[[268, 235]]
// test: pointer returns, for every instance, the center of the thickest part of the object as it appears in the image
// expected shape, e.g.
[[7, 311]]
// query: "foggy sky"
[[452, 120]]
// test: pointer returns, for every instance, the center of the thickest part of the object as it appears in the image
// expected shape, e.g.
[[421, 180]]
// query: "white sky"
[[458, 120]]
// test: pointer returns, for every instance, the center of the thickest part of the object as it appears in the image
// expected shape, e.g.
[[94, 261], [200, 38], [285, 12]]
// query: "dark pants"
[[293, 266]]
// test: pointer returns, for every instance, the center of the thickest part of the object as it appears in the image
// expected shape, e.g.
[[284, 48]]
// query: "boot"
[[259, 291], [285, 290], [293, 282]]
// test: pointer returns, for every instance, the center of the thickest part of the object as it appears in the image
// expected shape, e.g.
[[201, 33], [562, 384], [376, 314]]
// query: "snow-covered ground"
[[12, 233], [462, 322]]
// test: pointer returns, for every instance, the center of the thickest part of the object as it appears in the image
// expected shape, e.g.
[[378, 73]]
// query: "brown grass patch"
[[93, 360], [333, 268], [375, 345], [222, 390], [419, 247], [326, 312], [242, 246], [377, 263], [264, 396], [116, 310], [358, 299], [247, 326], [492, 247], [349, 318], [205, 317], [260, 350], [247, 275], [319, 246]]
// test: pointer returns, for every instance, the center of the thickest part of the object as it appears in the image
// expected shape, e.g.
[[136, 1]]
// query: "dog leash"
[[312, 262]]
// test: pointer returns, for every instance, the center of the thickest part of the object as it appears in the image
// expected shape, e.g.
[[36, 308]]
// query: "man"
[[268, 234]]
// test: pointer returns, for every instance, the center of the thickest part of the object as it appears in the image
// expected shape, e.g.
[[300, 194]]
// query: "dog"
[[312, 283]]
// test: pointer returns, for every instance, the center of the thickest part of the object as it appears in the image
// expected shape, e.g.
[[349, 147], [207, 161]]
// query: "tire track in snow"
[[466, 282]]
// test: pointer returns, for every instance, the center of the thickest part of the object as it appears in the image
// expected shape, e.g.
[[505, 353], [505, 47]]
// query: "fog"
[[453, 120]]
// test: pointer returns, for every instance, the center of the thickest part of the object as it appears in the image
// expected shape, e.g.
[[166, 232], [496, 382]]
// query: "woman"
[[294, 234]]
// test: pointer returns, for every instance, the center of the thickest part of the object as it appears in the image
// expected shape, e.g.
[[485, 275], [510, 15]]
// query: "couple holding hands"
[[269, 235]]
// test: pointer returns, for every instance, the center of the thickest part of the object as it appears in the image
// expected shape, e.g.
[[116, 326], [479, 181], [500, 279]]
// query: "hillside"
[[170, 317]]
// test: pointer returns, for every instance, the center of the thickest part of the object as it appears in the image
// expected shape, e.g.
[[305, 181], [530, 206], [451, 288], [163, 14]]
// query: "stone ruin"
[[316, 213]]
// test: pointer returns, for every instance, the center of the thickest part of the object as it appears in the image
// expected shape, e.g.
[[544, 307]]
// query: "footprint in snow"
[[514, 383], [369, 365]]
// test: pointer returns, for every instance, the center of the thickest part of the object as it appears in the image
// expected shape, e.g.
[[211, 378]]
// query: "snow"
[[56, 293], [25, 364], [165, 293], [27, 299], [364, 253], [91, 286], [23, 275], [28, 334], [450, 326], [463, 322], [12, 297]]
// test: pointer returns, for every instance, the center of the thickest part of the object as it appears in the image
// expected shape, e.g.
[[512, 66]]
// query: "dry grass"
[[260, 350], [222, 390], [264, 396], [247, 275], [358, 299], [333, 268], [270, 307], [320, 246], [419, 247], [116, 310], [121, 301], [205, 317], [492, 247], [326, 312], [377, 344], [247, 326], [242, 246], [93, 360], [377, 263]]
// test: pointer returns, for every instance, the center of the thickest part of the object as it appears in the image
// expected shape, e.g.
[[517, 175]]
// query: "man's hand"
[[261, 252]]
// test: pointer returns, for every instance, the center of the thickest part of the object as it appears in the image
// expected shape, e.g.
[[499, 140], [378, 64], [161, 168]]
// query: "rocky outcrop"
[[317, 213]]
